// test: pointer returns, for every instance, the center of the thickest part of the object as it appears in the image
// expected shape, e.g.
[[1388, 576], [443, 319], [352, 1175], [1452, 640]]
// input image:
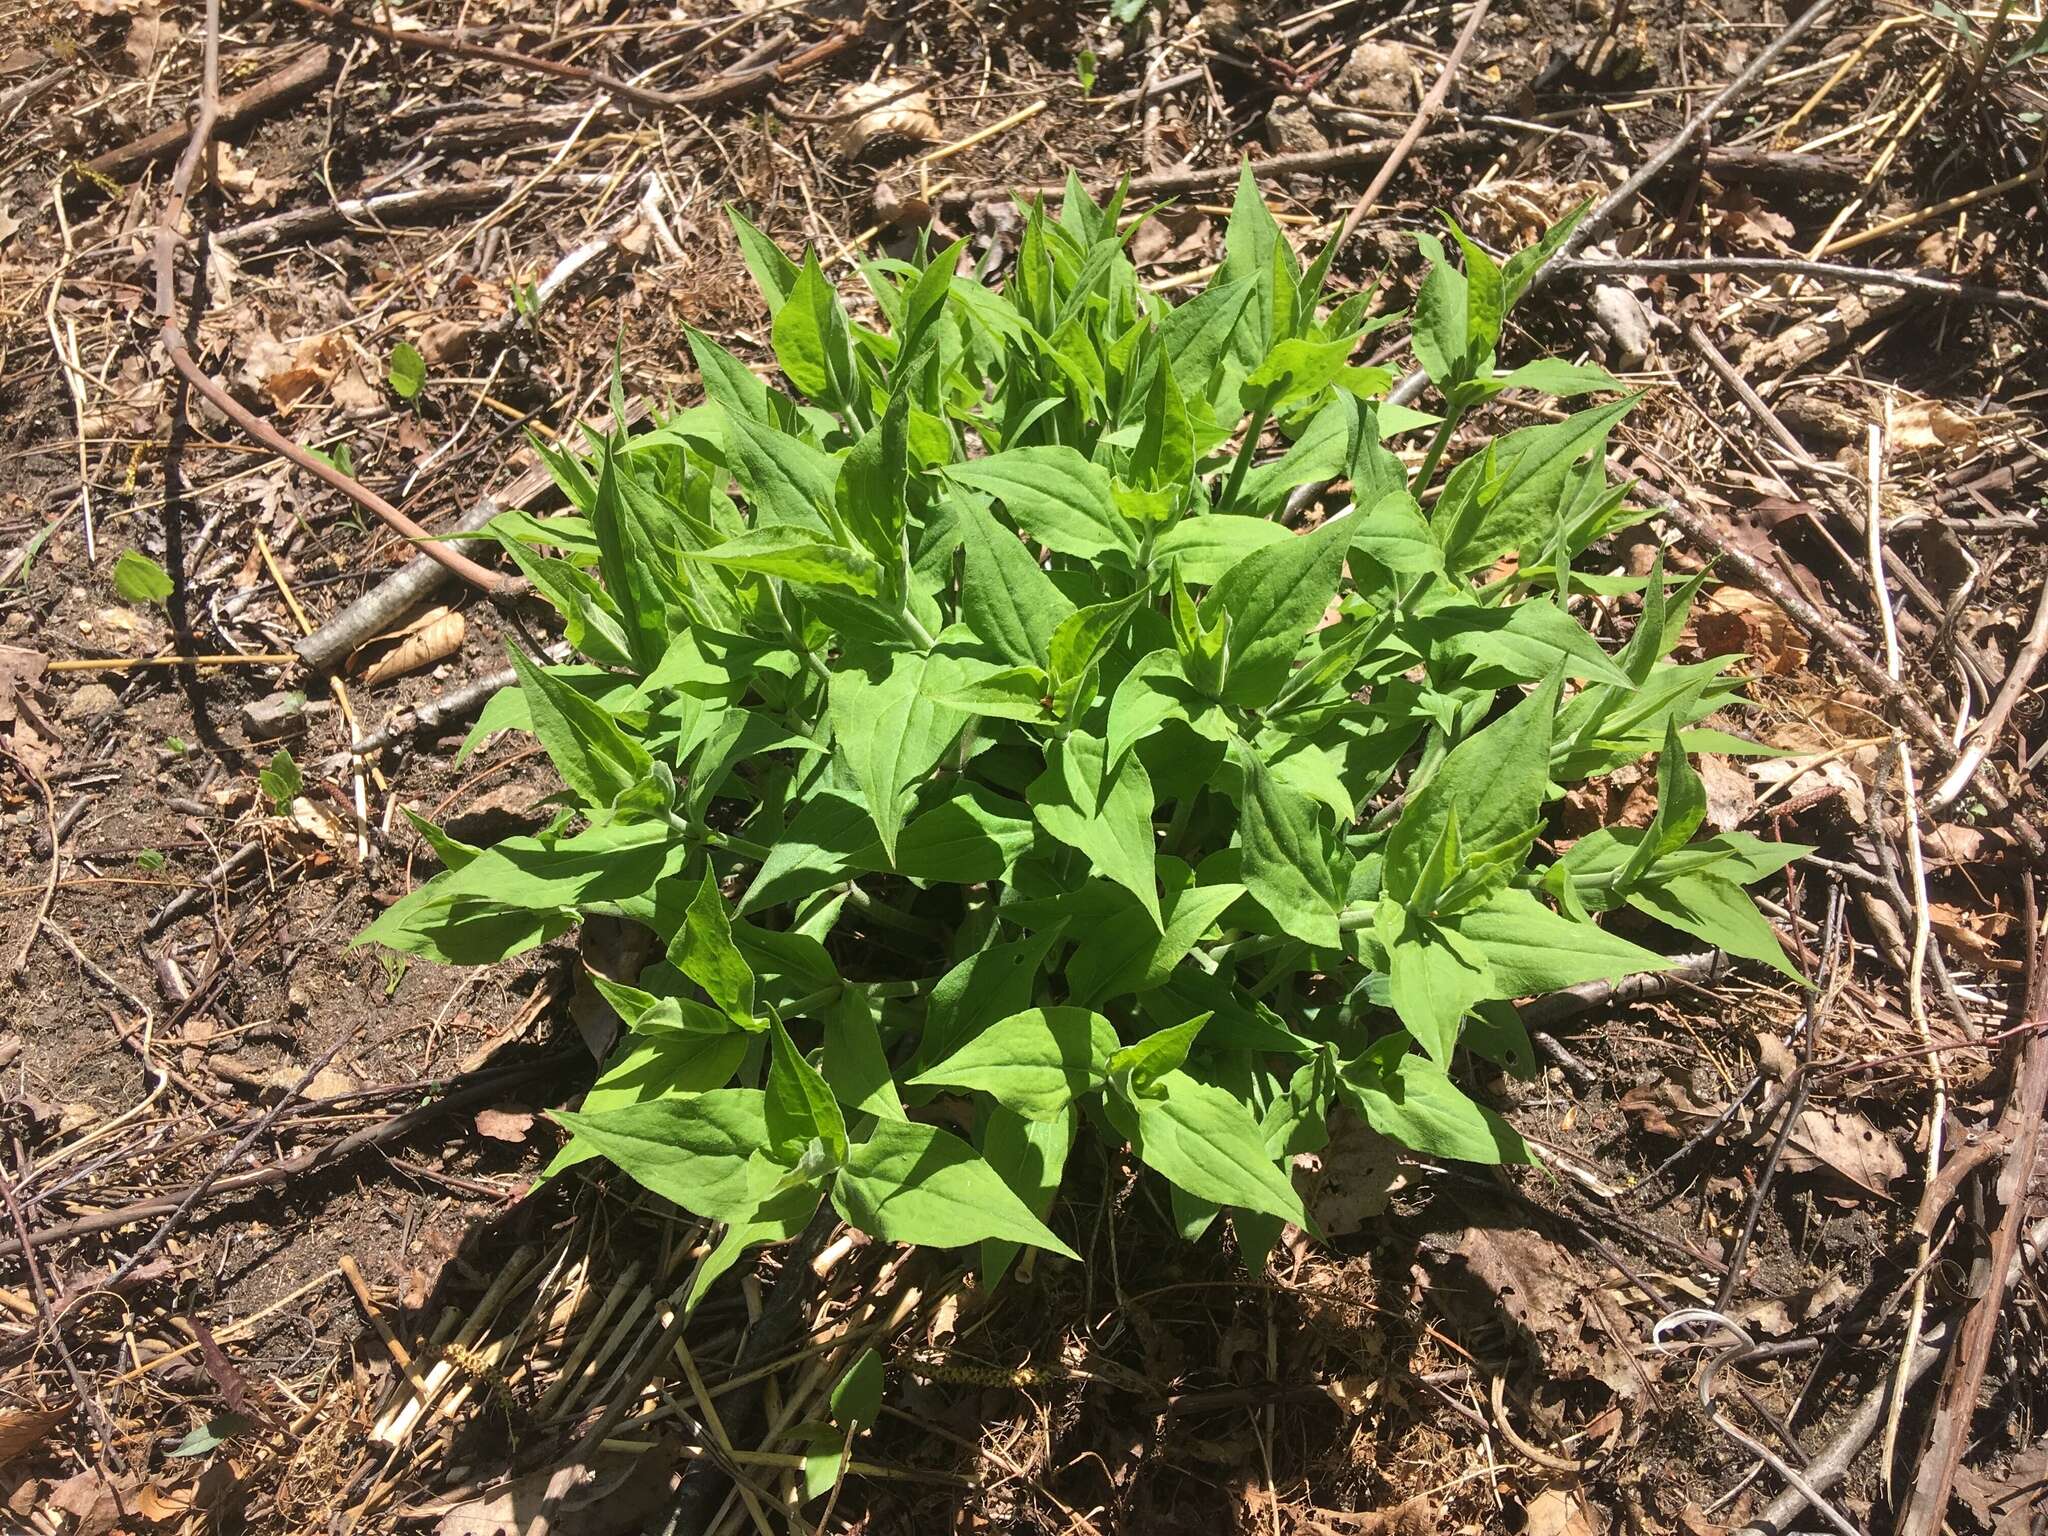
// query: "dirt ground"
[[267, 1195]]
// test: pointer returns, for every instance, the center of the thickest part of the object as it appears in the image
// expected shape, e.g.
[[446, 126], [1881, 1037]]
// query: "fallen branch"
[[2019, 1123], [459, 705], [1398, 155], [188, 368], [380, 608], [277, 87], [420, 205], [1825, 271], [716, 91], [1308, 162], [2018, 679]]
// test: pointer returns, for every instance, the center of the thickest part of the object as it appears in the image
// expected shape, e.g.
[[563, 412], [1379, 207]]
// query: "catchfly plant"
[[974, 752]]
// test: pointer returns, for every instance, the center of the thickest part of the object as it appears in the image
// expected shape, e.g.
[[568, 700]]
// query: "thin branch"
[[1398, 156], [1825, 271]]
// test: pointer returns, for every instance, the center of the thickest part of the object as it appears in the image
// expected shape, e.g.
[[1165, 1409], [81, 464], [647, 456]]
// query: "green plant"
[[988, 759], [140, 579], [407, 373], [280, 781]]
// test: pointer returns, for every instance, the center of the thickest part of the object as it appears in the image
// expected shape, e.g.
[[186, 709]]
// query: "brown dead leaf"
[[1845, 1143], [1732, 621], [446, 341], [435, 637], [1923, 426], [90, 1499], [1418, 1517], [504, 1124], [23, 1429], [18, 667], [1804, 772], [2007, 1503], [149, 33], [1976, 934], [1667, 1108], [1731, 793], [1559, 1512], [1355, 1172], [882, 111]]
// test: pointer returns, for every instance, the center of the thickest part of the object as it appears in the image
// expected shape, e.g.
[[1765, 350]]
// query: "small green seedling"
[[140, 579]]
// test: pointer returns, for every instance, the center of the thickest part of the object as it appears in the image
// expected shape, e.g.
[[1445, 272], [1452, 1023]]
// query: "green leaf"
[[1534, 950], [1394, 532], [1717, 911], [857, 1398], [703, 950], [1440, 332], [1117, 958], [856, 1065], [988, 985], [1140, 1065], [795, 556], [1056, 496], [1436, 976], [281, 781], [787, 481], [773, 273], [1202, 1139], [1084, 635], [1014, 693], [1555, 376], [692, 1151], [1519, 508], [1197, 335], [1109, 822], [778, 1213], [1485, 302], [1286, 858], [1272, 600], [870, 493], [408, 371], [596, 759], [1154, 691], [1297, 369], [217, 1431], [1006, 599], [1415, 1102], [1030, 1155], [812, 342], [1205, 547], [912, 1183], [1532, 641], [800, 1106], [1033, 1063], [889, 731], [1493, 781], [140, 579]]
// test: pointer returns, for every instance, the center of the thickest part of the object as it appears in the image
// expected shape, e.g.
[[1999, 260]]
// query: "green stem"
[[881, 912], [1241, 465], [913, 630], [1435, 453]]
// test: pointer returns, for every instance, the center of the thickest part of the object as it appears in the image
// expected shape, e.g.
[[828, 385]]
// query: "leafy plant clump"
[[970, 751]]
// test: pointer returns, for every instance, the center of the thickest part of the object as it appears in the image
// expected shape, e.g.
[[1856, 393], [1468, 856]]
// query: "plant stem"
[[1434, 456], [881, 912], [1241, 466]]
